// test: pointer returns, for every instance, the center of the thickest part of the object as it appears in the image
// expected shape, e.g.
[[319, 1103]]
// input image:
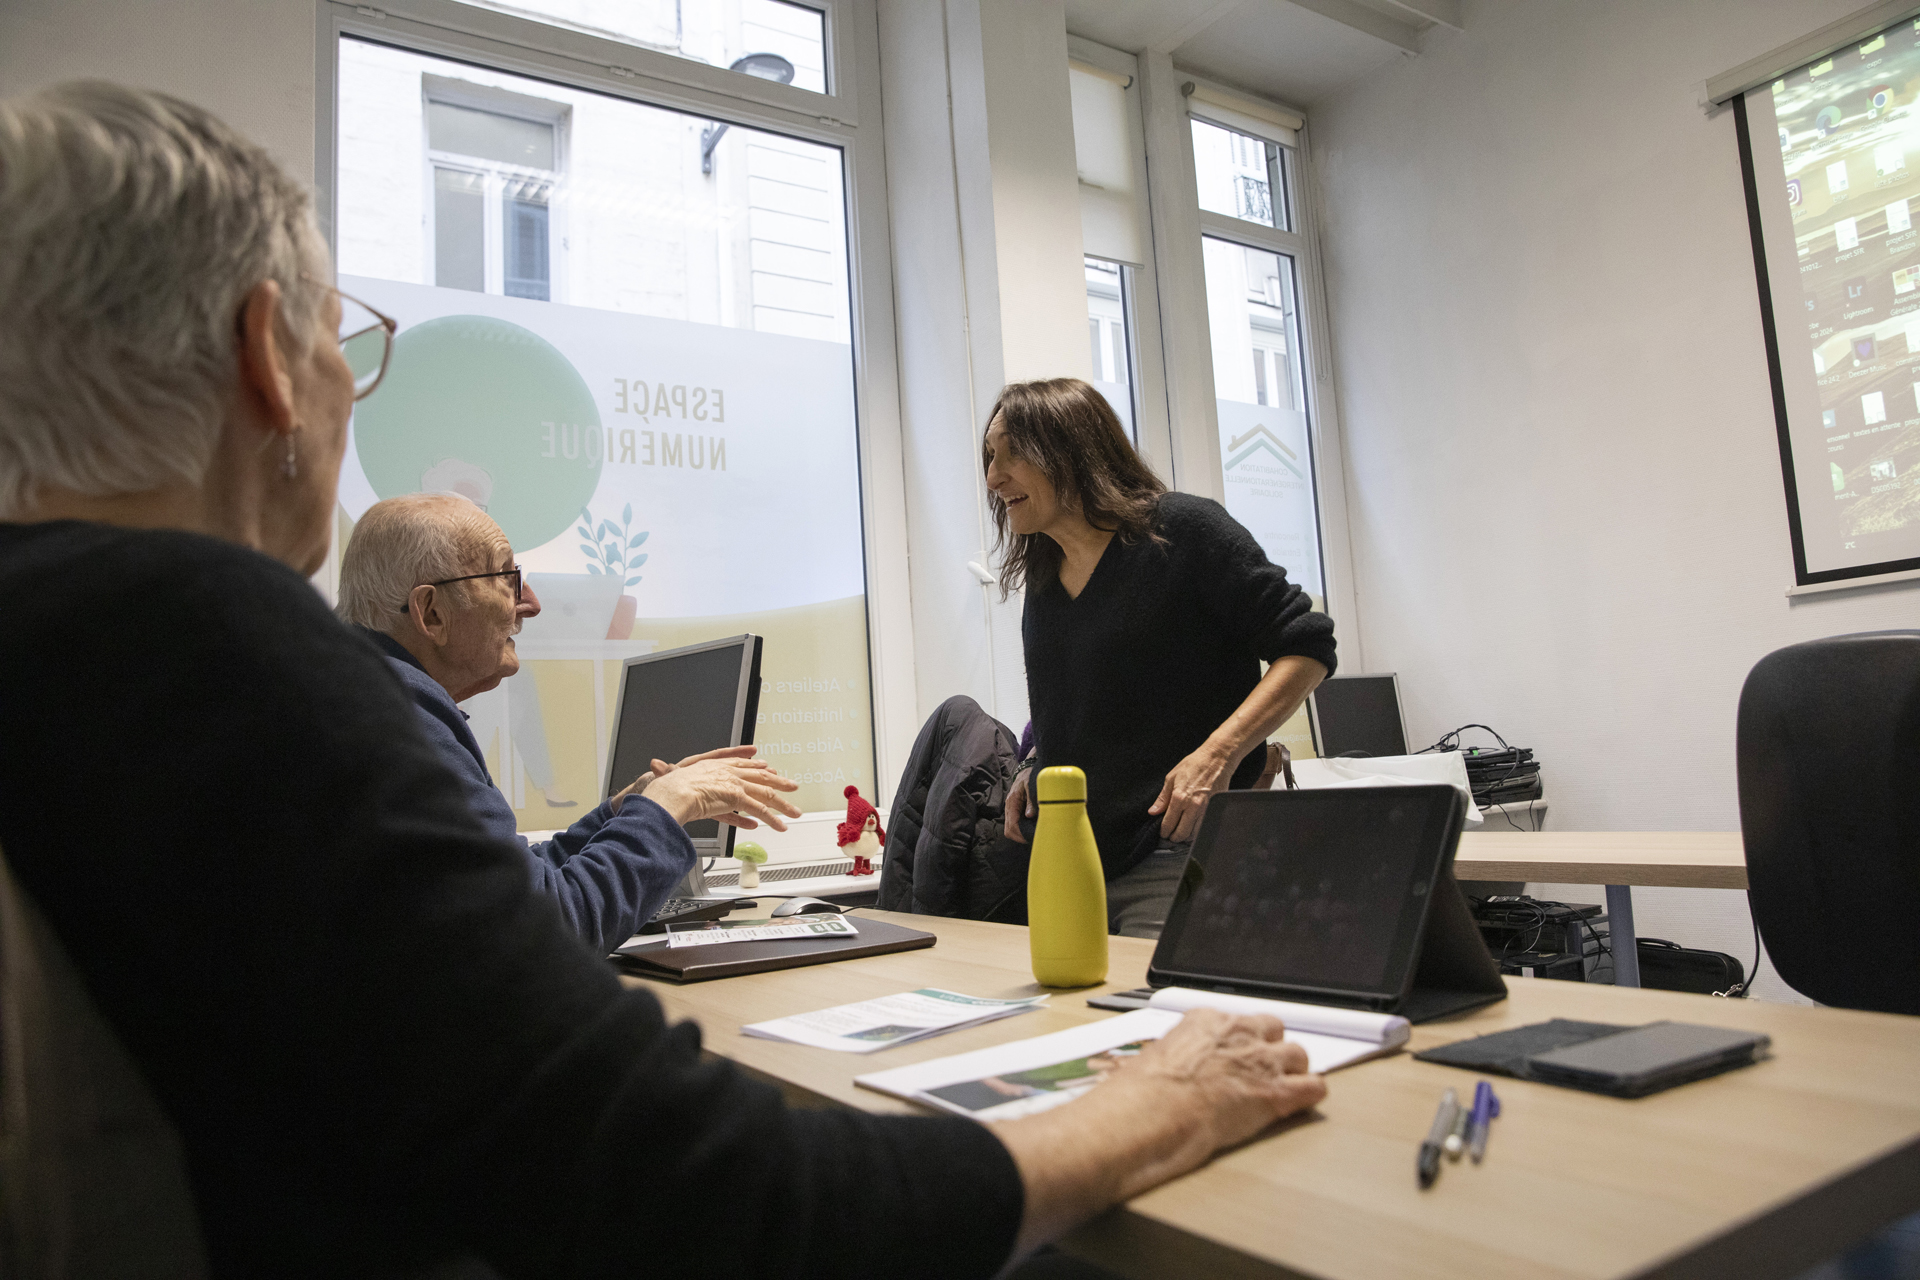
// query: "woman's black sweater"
[[1162, 645]]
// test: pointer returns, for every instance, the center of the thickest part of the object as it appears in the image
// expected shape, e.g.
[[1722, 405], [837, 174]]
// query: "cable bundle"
[[1508, 775]]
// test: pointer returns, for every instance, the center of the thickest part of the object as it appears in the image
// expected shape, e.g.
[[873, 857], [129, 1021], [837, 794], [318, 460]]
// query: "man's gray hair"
[[402, 542], [132, 227]]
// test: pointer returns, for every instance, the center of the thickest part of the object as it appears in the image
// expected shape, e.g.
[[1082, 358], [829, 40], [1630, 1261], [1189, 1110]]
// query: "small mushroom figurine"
[[860, 836], [751, 856]]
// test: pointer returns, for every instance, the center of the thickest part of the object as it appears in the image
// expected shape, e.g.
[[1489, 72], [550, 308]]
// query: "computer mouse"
[[806, 907]]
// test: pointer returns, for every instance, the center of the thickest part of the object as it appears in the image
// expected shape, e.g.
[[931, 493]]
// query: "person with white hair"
[[430, 580], [378, 1050]]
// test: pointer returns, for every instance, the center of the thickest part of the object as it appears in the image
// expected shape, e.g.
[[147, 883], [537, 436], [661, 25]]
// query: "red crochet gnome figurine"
[[860, 836]]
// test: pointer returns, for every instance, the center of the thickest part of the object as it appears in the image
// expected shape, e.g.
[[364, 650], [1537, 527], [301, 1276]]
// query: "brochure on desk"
[[1027, 1076]]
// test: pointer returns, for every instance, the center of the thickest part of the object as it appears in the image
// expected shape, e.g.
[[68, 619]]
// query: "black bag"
[[1668, 966]]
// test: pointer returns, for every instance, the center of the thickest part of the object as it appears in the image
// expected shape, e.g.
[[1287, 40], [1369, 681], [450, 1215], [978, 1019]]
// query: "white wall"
[[989, 287], [249, 63], [1565, 494]]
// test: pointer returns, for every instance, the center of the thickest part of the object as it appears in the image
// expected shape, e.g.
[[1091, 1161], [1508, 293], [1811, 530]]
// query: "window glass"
[[459, 229], [489, 135], [1265, 445], [788, 39], [1241, 176], [643, 369], [1110, 334]]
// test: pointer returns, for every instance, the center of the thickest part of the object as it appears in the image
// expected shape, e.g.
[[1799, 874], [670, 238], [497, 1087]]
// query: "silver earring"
[[291, 467]]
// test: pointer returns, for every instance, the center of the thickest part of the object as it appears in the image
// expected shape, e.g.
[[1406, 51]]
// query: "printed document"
[[889, 1020], [717, 931]]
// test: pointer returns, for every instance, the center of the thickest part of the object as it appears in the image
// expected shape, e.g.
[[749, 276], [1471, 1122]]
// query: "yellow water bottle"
[[1066, 886]]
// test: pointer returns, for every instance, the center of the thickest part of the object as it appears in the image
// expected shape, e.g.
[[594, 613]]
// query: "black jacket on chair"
[[946, 853]]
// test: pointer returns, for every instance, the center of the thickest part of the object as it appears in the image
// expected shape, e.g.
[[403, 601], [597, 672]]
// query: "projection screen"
[[1831, 157]]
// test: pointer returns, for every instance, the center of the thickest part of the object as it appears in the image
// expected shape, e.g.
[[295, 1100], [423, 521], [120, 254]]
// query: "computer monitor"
[[1361, 714], [676, 704]]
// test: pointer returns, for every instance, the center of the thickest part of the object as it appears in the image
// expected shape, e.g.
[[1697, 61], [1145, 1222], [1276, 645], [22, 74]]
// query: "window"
[[1256, 260], [767, 38], [1109, 334], [494, 177], [627, 334], [1240, 176], [1251, 253], [1266, 451]]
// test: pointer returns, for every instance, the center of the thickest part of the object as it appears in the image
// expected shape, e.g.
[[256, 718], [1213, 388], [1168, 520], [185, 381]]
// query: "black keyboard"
[[690, 911]]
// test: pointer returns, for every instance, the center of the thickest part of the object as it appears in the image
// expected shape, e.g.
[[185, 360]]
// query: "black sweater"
[[379, 1044], [1162, 645]]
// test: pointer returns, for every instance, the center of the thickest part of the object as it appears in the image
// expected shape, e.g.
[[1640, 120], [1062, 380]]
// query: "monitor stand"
[[694, 883], [1456, 973]]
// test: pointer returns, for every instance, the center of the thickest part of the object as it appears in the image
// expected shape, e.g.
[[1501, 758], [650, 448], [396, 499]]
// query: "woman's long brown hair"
[[1068, 430]]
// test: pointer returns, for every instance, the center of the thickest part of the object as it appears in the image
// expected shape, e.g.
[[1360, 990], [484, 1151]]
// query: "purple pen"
[[1485, 1107]]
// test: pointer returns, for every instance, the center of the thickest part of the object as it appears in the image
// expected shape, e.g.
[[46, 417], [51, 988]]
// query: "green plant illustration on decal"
[[610, 548]]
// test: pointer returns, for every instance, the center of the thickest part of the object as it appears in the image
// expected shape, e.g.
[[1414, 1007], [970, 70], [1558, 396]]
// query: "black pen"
[[1436, 1143]]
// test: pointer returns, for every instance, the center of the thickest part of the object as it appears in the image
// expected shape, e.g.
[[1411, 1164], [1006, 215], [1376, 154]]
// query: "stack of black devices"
[[1502, 775], [1535, 939]]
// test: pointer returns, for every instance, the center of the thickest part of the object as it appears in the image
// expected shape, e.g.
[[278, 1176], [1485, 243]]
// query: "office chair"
[[1829, 765]]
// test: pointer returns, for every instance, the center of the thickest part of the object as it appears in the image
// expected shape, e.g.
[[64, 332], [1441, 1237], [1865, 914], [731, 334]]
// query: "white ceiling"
[[1296, 51]]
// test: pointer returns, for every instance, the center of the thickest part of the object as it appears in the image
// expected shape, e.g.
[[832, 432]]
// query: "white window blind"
[[1106, 146]]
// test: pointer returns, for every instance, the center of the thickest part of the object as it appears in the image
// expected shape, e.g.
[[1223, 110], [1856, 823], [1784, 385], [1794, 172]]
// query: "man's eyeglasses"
[[366, 340], [513, 573]]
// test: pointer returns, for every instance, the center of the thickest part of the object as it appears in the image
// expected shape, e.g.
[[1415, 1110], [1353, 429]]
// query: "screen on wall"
[[1831, 157]]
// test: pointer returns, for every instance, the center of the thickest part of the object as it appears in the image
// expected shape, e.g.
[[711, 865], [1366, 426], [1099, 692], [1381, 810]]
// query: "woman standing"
[[1148, 614]]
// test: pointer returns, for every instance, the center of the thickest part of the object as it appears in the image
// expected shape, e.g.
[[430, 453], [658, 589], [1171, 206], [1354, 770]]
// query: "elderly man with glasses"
[[430, 579]]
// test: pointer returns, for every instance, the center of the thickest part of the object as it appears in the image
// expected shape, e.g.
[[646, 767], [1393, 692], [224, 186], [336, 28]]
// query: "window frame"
[[1295, 194], [841, 118]]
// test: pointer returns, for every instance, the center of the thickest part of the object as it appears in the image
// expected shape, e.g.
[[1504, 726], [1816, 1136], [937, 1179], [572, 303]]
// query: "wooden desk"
[[1616, 859], [1759, 1173]]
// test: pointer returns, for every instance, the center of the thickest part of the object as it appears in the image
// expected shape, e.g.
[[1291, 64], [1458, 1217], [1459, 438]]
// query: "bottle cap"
[[1062, 782]]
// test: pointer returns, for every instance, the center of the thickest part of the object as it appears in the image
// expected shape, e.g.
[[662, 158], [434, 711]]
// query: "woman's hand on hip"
[[1019, 802], [1186, 789]]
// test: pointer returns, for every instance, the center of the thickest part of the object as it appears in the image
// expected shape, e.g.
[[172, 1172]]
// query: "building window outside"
[[631, 342], [494, 177], [1110, 335]]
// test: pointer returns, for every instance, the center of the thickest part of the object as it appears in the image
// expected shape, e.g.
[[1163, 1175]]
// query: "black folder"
[[655, 959]]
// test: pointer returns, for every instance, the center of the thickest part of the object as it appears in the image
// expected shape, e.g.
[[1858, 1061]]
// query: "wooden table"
[[1759, 1173], [1616, 859]]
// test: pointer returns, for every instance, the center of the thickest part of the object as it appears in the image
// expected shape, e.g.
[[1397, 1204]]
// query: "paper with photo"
[[1027, 1076]]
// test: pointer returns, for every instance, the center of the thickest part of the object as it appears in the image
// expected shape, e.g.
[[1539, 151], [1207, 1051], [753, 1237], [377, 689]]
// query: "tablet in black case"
[[1342, 896], [1633, 1064]]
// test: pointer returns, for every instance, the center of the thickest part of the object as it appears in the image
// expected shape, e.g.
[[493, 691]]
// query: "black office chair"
[[1829, 760]]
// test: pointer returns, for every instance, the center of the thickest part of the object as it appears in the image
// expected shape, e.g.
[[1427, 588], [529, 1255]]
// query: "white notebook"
[[1032, 1075]]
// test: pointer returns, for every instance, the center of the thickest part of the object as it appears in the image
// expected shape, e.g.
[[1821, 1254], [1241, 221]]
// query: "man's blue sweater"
[[609, 872]]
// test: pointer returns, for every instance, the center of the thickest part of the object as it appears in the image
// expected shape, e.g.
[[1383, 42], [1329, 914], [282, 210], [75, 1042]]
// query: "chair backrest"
[[93, 1182], [1829, 760]]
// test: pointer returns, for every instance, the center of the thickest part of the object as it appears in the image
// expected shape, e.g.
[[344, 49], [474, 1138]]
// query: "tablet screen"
[[1321, 889]]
